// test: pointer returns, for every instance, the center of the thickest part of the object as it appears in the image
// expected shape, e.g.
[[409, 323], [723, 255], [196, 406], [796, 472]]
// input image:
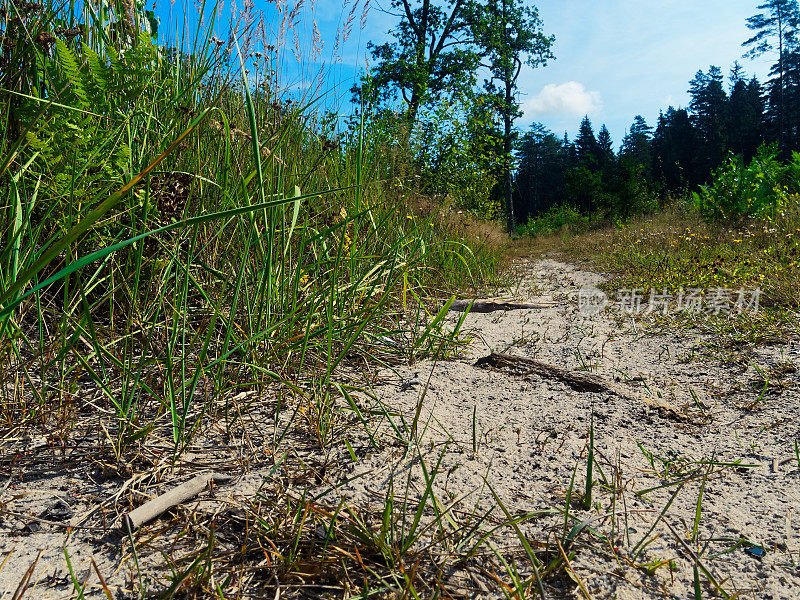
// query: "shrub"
[[554, 219], [739, 191]]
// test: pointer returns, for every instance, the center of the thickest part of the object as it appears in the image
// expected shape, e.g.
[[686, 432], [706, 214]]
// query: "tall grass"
[[177, 234], [173, 229]]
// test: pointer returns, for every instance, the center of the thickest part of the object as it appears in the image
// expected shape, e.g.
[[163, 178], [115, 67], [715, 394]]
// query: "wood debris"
[[488, 305], [580, 381], [161, 504]]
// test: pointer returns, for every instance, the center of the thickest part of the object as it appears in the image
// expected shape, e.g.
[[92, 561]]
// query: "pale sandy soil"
[[528, 440]]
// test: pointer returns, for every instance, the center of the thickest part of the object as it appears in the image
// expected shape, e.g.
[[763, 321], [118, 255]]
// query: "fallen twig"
[[578, 380], [161, 504], [492, 305]]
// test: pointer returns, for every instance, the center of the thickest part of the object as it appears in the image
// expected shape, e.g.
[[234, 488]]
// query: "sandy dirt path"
[[529, 439], [532, 433]]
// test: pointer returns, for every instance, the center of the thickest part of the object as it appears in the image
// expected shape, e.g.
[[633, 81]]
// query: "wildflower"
[[409, 216], [304, 279]]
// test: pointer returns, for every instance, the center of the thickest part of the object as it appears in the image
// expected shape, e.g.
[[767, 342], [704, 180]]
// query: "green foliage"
[[79, 154], [629, 192], [164, 230], [676, 250], [458, 145], [584, 185], [555, 219], [432, 57], [509, 35], [456, 152], [738, 190]]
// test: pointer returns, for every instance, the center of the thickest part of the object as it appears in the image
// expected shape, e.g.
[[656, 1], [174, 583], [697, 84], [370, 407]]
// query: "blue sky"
[[629, 57], [614, 58]]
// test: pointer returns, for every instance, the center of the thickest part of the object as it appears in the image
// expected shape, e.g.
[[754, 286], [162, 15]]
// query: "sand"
[[731, 445]]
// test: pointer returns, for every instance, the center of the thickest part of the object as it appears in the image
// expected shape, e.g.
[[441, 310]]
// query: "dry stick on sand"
[[161, 504], [492, 305], [577, 380]]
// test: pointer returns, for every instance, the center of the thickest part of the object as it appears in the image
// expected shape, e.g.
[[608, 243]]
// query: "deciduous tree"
[[433, 52], [509, 35]]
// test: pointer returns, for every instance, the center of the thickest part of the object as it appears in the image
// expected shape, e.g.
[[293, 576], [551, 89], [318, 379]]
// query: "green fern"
[[72, 70], [97, 69]]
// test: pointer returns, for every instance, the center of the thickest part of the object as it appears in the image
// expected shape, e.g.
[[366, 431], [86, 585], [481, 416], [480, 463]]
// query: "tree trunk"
[[507, 158], [507, 106], [782, 108], [413, 108]]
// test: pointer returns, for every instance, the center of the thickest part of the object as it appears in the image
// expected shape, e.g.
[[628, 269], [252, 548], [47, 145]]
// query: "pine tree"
[[776, 31], [709, 107], [587, 150], [636, 145], [791, 100], [606, 147], [674, 150], [736, 75], [540, 177], [745, 117]]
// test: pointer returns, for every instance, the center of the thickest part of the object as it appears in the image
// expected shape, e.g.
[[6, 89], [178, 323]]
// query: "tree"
[[509, 34], [457, 152], [636, 145], [605, 145], [584, 186], [709, 107], [540, 177], [791, 101], [433, 53], [745, 117], [587, 150], [736, 75], [674, 152], [775, 29]]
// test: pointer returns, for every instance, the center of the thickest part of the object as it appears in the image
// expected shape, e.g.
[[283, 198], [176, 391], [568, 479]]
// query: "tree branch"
[[410, 17], [449, 27]]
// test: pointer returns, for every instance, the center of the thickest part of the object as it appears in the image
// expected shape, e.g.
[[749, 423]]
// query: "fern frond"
[[69, 64], [113, 57], [97, 69]]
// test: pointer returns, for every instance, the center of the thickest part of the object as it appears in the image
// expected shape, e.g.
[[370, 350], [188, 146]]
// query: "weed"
[[182, 259]]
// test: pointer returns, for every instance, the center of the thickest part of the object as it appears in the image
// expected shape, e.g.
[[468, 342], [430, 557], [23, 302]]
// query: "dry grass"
[[677, 250]]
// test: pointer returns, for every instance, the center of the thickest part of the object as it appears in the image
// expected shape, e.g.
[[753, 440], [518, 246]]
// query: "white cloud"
[[568, 99]]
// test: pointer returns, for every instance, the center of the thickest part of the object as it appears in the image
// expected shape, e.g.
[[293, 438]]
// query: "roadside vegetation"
[[740, 232], [707, 199], [183, 255], [201, 269]]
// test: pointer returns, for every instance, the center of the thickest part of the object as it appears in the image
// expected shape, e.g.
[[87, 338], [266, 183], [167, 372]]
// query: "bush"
[[553, 219], [739, 191]]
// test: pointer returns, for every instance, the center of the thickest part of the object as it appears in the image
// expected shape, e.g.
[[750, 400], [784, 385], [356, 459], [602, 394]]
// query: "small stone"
[[31, 527], [58, 511]]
